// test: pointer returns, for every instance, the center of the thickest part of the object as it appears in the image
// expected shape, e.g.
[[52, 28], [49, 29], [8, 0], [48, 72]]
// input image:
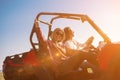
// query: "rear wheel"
[[28, 73]]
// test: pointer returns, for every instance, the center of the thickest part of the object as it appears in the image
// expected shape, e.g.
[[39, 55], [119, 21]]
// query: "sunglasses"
[[59, 33]]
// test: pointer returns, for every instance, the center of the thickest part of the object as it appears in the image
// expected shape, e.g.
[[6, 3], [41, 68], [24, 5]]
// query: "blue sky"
[[17, 17]]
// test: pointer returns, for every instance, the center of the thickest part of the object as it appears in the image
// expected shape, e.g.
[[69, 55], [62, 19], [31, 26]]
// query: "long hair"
[[68, 33], [58, 32]]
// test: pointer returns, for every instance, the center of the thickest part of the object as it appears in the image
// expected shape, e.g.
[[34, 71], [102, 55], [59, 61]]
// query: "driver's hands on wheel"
[[88, 44]]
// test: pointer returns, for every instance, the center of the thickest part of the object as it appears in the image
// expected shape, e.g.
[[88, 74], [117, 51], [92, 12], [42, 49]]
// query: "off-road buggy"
[[37, 63]]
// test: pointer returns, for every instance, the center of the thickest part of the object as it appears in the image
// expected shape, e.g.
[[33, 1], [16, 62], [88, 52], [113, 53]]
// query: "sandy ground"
[[1, 76]]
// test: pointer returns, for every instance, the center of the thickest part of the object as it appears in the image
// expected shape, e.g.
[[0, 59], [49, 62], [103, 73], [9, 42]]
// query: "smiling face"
[[58, 35]]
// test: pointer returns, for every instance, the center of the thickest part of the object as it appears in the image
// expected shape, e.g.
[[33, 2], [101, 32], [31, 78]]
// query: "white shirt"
[[72, 44]]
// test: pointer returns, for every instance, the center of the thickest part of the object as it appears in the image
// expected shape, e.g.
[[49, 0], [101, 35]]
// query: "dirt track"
[[1, 76]]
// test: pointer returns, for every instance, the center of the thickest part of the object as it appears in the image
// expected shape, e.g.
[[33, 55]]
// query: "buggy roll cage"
[[82, 17]]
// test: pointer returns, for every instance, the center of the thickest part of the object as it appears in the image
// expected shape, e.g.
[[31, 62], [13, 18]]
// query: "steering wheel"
[[88, 45]]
